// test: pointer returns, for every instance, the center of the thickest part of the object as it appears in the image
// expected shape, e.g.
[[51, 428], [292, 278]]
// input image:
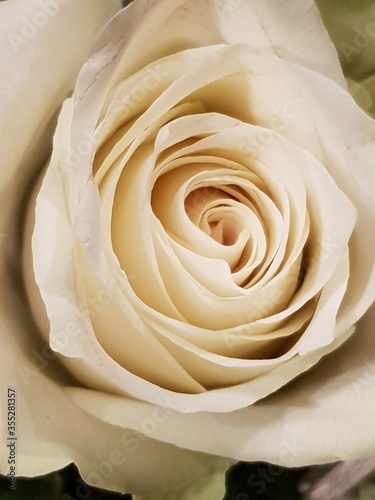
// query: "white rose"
[[201, 238], [51, 430]]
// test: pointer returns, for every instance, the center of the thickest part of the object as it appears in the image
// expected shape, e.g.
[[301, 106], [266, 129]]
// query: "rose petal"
[[213, 72], [49, 437], [258, 23], [28, 99], [53, 431], [325, 416]]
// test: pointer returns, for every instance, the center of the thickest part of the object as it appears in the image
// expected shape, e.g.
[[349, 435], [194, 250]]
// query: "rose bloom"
[[197, 237]]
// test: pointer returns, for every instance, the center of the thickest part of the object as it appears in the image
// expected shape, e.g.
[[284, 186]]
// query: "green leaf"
[[65, 484], [208, 486], [351, 26], [41, 488]]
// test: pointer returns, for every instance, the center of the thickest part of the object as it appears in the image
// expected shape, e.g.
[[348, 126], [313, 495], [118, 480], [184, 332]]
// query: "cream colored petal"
[[245, 341], [163, 260], [123, 335], [75, 303], [229, 398], [346, 148], [281, 30], [48, 435], [322, 205], [72, 335], [214, 371], [37, 73], [32, 371], [326, 415], [322, 329], [198, 82], [348, 159], [52, 431]]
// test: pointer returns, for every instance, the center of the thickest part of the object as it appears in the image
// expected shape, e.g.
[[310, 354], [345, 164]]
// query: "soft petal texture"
[[52, 431], [287, 427], [69, 286], [38, 72], [325, 416]]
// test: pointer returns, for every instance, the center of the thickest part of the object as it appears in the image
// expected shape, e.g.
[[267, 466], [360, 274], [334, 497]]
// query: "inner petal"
[[208, 219], [198, 199], [224, 226]]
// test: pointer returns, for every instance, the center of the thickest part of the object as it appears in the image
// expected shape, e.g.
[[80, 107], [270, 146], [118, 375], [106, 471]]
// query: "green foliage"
[[62, 485], [244, 481]]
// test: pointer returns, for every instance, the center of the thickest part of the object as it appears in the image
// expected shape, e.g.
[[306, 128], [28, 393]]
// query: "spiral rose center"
[[209, 209]]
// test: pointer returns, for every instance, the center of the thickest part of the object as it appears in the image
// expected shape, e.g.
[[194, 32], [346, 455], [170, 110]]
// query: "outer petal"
[[326, 415], [59, 432], [265, 424], [51, 430], [37, 73], [164, 27], [319, 93], [39, 64], [279, 29]]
